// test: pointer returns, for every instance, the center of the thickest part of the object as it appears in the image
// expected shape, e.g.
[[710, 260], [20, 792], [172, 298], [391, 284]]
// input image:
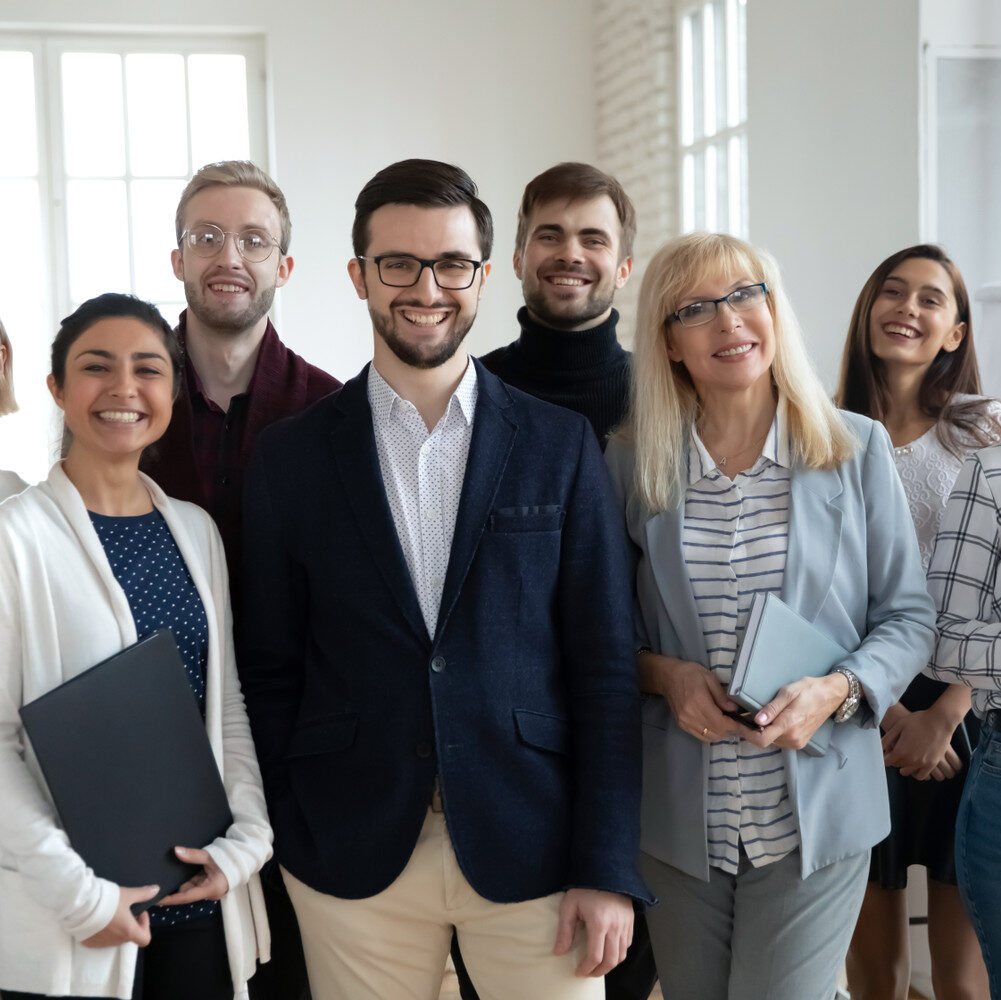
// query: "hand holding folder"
[[779, 649]]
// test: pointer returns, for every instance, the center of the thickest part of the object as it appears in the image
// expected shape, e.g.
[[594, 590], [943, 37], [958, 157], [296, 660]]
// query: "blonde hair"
[[8, 404], [236, 173], [664, 400]]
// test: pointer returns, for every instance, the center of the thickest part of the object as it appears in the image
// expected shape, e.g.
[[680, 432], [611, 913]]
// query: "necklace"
[[721, 462]]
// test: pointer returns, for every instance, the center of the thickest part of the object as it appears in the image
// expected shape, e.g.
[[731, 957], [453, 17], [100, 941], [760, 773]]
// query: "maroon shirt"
[[205, 451]]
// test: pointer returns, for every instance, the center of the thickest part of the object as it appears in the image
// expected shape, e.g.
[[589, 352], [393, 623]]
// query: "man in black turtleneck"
[[573, 252]]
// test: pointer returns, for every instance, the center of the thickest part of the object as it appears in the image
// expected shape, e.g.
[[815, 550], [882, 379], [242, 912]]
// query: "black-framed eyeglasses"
[[403, 270], [740, 299], [206, 240]]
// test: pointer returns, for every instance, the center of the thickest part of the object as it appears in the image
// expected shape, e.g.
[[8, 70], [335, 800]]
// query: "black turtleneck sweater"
[[583, 370]]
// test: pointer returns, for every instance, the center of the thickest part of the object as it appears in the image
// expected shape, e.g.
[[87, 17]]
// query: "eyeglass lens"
[[739, 299], [254, 245], [402, 272]]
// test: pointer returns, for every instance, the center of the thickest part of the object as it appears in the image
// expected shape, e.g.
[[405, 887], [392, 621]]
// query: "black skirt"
[[923, 813]]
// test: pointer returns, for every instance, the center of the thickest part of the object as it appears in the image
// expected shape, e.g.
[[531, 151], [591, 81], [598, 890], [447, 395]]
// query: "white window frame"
[[47, 47], [731, 189]]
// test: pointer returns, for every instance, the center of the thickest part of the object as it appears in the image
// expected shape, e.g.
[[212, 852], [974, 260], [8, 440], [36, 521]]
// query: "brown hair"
[[236, 173], [427, 184], [577, 182], [961, 425], [8, 404]]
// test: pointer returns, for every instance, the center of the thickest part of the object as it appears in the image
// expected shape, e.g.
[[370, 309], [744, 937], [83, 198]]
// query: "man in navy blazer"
[[436, 645]]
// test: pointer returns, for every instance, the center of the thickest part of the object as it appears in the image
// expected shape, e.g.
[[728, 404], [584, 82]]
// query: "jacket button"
[[423, 749], [438, 664]]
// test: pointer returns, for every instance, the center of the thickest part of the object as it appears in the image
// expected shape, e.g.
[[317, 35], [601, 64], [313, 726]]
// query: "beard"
[[566, 315], [422, 355], [225, 320]]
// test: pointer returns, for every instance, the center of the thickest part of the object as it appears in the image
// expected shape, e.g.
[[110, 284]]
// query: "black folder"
[[126, 757]]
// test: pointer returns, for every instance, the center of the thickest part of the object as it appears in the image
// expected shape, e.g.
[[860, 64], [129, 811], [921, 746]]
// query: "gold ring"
[[705, 732]]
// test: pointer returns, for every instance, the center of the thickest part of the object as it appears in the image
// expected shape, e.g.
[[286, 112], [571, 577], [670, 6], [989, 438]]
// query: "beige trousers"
[[393, 946]]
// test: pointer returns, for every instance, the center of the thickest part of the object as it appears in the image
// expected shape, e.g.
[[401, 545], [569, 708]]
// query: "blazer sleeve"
[[247, 843], [272, 630], [31, 839], [596, 634], [900, 620], [964, 581]]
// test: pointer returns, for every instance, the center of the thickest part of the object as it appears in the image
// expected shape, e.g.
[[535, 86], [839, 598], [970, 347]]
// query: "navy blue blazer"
[[525, 701]]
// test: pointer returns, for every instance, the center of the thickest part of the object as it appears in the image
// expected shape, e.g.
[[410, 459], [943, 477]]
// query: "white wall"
[[833, 150], [503, 89]]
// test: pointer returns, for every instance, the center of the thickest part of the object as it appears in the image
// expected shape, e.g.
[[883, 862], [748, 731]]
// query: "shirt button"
[[225, 480], [423, 749], [438, 664]]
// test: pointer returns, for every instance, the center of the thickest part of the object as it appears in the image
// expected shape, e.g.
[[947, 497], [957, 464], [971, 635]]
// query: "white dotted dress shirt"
[[735, 539], [422, 472]]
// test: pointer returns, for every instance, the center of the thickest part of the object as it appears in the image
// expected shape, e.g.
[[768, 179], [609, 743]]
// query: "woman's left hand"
[[797, 711], [209, 883]]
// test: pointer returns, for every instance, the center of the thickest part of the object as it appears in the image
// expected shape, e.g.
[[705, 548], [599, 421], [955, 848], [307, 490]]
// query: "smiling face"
[[423, 325], [913, 316], [734, 350], [117, 389], [569, 267], [225, 293]]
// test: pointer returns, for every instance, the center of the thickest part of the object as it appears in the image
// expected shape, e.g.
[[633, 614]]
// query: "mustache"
[[423, 305]]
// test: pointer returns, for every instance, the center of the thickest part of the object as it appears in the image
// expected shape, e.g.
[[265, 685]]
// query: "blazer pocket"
[[544, 732], [544, 517], [325, 735]]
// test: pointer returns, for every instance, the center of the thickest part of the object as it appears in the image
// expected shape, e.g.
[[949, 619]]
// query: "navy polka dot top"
[[148, 566]]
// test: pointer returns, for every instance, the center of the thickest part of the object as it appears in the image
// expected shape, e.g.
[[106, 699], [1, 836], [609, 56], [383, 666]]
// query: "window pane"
[[217, 91], [711, 223], [24, 435], [153, 206], [687, 99], [17, 115], [709, 69], [158, 131], [688, 194], [742, 56], [93, 117], [98, 238], [736, 187]]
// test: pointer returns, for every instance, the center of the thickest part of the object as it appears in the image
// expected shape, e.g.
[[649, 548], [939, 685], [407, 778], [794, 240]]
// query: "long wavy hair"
[[664, 400], [961, 425]]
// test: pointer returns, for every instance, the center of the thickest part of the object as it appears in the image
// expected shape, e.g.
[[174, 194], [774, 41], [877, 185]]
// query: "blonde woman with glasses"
[[739, 477], [10, 482]]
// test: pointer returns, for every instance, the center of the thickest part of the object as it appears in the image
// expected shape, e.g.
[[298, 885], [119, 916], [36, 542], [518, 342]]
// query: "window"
[[100, 135], [713, 118]]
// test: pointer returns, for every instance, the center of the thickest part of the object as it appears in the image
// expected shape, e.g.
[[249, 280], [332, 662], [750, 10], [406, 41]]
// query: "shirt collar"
[[385, 402], [776, 448]]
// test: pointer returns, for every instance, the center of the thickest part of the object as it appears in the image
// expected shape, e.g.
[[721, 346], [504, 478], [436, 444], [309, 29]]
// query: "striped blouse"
[[735, 538]]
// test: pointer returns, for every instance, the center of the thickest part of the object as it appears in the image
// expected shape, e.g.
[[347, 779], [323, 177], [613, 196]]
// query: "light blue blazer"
[[853, 569]]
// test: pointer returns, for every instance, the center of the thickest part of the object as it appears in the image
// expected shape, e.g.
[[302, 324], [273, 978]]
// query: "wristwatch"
[[850, 705]]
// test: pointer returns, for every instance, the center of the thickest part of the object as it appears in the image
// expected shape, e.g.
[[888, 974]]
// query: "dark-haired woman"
[[10, 482], [909, 362], [90, 560]]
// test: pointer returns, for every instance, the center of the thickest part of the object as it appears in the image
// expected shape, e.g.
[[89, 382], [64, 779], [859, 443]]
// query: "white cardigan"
[[10, 483], [62, 611]]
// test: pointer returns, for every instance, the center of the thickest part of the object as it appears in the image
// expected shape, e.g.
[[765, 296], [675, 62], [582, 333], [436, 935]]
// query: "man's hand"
[[209, 883], [608, 922], [124, 926], [798, 710]]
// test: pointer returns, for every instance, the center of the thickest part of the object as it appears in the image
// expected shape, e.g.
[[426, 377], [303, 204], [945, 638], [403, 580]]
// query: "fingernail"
[[761, 719]]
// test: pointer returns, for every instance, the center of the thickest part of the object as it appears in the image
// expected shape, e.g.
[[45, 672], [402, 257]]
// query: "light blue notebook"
[[780, 647]]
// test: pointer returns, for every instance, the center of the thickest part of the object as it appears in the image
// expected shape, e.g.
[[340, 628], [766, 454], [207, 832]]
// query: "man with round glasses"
[[233, 232]]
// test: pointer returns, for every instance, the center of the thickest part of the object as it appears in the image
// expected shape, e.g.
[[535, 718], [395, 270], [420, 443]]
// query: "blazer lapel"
[[357, 462], [667, 559], [494, 431], [814, 539]]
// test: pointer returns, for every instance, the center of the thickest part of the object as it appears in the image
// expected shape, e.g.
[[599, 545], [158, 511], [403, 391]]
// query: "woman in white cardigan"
[[10, 482], [69, 599]]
